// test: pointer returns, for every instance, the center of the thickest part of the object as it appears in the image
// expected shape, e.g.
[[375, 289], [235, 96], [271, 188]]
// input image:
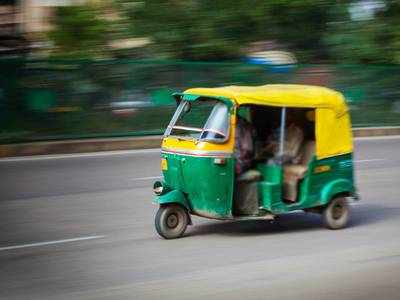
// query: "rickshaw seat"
[[246, 193], [293, 173], [250, 175]]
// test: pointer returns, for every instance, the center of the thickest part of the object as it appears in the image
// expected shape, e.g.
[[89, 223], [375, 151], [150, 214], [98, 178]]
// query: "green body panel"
[[174, 196], [207, 186], [336, 187], [270, 188], [318, 188], [189, 97], [315, 189]]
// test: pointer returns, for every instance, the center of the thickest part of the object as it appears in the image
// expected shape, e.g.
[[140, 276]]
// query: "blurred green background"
[[108, 68], [45, 100]]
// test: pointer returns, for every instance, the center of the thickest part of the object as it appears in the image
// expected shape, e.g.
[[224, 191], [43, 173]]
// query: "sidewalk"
[[128, 143]]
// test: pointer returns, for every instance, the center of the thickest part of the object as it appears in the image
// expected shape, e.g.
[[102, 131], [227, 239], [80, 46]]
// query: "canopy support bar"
[[282, 133]]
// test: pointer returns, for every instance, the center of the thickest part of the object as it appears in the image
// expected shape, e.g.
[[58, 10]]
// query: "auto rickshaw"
[[204, 150]]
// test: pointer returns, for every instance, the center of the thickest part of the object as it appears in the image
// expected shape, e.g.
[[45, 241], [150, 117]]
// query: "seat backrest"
[[307, 152]]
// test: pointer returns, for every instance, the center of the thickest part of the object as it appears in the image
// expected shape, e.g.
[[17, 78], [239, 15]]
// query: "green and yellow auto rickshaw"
[[241, 152]]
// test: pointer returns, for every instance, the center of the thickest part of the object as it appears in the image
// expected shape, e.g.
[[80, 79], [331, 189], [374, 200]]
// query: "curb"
[[80, 146], [129, 143], [376, 131]]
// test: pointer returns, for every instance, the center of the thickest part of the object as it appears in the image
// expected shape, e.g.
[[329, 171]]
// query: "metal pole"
[[176, 115], [282, 132]]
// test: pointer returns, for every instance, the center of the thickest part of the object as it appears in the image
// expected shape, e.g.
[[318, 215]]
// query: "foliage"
[[207, 30], [357, 41], [79, 32], [314, 30], [392, 14]]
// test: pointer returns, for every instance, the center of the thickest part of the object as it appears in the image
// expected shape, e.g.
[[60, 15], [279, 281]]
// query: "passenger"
[[294, 171], [294, 137], [246, 189], [243, 145]]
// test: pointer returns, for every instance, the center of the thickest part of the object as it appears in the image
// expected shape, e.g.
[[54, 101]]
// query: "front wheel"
[[336, 215], [171, 221]]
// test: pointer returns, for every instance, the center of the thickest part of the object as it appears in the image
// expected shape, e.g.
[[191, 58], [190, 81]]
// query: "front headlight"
[[158, 188]]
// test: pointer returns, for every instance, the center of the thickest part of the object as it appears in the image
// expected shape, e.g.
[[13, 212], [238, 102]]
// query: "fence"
[[46, 100]]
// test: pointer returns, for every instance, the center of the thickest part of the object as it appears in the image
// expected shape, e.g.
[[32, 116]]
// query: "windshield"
[[206, 120]]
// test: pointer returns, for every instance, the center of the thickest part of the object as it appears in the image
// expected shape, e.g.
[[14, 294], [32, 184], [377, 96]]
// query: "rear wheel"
[[171, 221], [336, 215]]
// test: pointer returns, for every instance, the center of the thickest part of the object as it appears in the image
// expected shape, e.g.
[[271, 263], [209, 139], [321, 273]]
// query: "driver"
[[243, 145]]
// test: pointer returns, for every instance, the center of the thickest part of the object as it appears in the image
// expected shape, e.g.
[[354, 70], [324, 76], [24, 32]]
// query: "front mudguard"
[[174, 197]]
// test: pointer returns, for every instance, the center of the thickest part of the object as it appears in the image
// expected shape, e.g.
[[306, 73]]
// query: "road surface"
[[81, 227]]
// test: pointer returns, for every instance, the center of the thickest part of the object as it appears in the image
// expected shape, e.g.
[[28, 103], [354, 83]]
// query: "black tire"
[[336, 214], [171, 221]]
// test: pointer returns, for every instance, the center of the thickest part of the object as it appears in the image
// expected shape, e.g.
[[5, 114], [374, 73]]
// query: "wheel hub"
[[337, 211], [172, 221]]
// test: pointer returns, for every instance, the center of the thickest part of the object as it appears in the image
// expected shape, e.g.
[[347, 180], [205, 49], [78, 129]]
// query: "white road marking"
[[368, 160], [384, 137], [147, 178], [77, 155], [84, 238]]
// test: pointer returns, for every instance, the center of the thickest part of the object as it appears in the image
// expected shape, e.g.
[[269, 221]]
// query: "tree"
[[314, 30], [79, 32], [392, 15], [300, 24], [207, 30], [352, 40], [193, 29]]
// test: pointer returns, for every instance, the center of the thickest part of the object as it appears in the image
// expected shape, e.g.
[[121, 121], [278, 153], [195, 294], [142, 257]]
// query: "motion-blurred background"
[[78, 69], [81, 226]]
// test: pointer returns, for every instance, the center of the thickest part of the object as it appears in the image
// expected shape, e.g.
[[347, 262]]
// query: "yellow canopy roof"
[[290, 95], [333, 126]]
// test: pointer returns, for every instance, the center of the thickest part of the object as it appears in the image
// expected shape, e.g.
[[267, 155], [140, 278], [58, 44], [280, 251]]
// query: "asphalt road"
[[81, 227]]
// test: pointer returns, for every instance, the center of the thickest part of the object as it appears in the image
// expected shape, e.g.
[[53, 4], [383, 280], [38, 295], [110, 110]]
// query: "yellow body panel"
[[333, 126], [333, 134], [164, 164], [322, 169]]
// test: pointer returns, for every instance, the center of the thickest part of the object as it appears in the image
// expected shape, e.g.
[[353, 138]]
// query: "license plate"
[[164, 164]]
